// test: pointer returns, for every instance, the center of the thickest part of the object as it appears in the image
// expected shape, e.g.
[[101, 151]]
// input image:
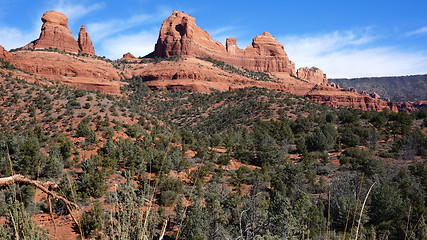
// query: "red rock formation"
[[335, 85], [55, 33], [128, 56], [363, 92], [77, 71], [375, 95], [313, 75], [352, 90], [330, 96], [5, 55], [179, 35], [85, 44]]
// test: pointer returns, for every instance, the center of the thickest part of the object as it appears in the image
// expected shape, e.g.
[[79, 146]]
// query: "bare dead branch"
[[44, 186]]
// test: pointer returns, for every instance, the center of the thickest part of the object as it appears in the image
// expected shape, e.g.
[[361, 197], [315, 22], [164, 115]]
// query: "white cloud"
[[14, 38], [419, 31], [352, 54], [73, 10], [101, 30], [139, 44]]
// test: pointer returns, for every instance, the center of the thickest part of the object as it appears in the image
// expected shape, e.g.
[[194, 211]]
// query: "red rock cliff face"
[[5, 55], [333, 97], [179, 35], [55, 33], [312, 75], [85, 44]]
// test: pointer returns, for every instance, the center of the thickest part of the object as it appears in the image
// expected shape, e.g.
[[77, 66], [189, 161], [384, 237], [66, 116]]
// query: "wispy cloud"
[[75, 9], [139, 44], [419, 31], [222, 33], [14, 38], [102, 30], [353, 54]]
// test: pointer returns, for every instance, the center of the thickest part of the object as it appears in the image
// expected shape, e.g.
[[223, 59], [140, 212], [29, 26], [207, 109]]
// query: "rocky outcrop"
[[5, 55], [375, 95], [55, 33], [411, 106], [353, 90], [179, 35], [312, 75], [85, 44], [129, 56], [330, 96], [335, 85], [77, 71], [363, 92]]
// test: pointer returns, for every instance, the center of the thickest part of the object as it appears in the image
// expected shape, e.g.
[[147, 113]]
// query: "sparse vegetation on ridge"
[[258, 76]]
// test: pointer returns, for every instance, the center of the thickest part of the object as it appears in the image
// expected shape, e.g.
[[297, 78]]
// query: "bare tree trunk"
[[361, 211], [44, 186]]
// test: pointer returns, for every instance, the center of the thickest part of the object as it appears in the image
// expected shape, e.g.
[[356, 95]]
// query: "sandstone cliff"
[[85, 44], [5, 55], [333, 97], [313, 75], [179, 35], [56, 34]]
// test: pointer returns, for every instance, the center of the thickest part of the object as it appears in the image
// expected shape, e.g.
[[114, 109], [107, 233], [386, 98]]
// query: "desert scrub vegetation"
[[251, 164], [258, 76]]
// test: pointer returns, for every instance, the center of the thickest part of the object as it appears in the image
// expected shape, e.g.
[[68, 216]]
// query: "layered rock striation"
[[313, 75], [56, 34], [179, 35], [333, 97]]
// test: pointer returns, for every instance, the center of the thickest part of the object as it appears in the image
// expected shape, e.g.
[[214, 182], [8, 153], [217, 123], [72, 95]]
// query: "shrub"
[[349, 139]]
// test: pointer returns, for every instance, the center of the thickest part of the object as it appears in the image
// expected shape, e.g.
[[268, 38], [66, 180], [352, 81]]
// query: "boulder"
[[179, 35], [85, 44], [312, 75], [55, 33]]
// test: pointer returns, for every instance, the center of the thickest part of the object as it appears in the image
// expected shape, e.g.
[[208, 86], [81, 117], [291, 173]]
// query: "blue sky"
[[356, 39]]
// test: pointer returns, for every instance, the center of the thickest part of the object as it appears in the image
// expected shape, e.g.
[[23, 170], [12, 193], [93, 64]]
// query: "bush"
[[84, 130], [91, 221], [349, 139], [323, 138], [224, 159]]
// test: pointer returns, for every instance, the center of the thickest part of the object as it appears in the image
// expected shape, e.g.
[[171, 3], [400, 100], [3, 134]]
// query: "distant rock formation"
[[335, 85], [313, 75], [363, 92], [85, 44], [352, 90], [179, 35], [330, 96], [5, 55], [375, 95], [56, 34], [129, 56]]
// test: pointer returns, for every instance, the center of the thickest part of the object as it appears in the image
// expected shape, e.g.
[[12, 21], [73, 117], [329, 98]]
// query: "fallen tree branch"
[[44, 186]]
